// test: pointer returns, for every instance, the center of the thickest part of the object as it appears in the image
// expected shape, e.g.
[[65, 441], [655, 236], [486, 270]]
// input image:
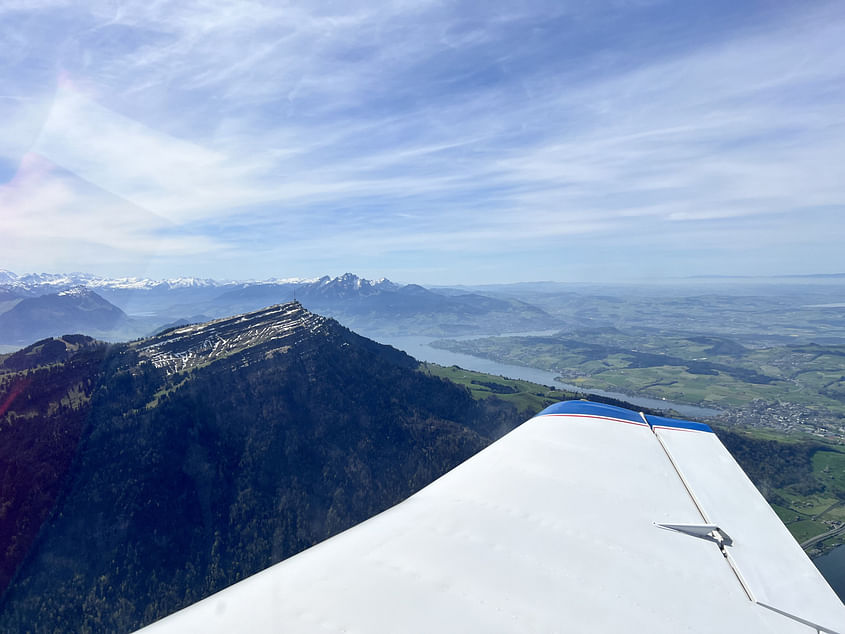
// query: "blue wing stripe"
[[592, 409], [603, 410], [672, 423]]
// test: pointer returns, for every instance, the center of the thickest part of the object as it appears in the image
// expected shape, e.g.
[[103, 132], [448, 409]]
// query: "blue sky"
[[433, 142]]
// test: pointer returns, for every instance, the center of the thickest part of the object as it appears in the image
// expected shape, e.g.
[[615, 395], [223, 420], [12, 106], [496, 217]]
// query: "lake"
[[419, 348], [832, 566]]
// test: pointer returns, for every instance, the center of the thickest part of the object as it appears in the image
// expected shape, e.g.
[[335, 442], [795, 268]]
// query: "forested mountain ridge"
[[182, 463], [45, 392]]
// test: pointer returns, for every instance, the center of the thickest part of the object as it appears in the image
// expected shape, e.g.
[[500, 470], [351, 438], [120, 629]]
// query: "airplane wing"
[[587, 518]]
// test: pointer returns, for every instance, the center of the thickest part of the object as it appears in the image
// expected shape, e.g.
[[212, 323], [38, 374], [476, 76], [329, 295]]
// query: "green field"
[[526, 396], [812, 502], [805, 382], [830, 468]]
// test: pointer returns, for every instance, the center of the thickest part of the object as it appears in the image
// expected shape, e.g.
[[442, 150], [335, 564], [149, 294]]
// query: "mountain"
[[74, 309], [43, 410], [139, 477], [321, 292], [42, 283], [7, 294], [143, 298], [376, 306], [345, 286], [8, 298], [47, 352], [385, 307]]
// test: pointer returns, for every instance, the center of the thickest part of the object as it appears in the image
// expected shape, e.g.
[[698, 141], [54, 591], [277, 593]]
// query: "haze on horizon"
[[432, 142]]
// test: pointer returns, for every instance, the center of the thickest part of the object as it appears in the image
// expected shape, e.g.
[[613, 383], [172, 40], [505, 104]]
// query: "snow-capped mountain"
[[41, 283], [349, 284], [367, 305]]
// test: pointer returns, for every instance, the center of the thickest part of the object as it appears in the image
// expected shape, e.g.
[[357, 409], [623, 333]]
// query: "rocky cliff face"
[[273, 330]]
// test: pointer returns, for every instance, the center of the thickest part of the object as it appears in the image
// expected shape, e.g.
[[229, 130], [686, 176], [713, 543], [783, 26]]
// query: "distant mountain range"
[[785, 276], [140, 477], [41, 283], [46, 282], [37, 305]]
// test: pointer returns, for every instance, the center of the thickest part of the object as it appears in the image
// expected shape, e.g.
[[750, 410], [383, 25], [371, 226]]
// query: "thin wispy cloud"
[[382, 131]]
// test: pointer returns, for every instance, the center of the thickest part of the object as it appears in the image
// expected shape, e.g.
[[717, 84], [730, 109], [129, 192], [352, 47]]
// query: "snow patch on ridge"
[[76, 291], [186, 347]]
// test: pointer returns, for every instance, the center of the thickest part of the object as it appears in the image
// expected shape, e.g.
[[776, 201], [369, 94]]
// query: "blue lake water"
[[832, 566], [419, 348]]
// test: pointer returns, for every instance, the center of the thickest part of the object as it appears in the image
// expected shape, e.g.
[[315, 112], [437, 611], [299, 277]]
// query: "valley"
[[797, 388]]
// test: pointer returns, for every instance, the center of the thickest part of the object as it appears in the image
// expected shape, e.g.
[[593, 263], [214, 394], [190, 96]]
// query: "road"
[[815, 540]]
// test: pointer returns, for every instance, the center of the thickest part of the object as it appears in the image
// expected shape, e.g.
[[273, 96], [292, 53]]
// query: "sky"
[[425, 141]]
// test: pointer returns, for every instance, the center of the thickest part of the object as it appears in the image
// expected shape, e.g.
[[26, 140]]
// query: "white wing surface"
[[587, 518]]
